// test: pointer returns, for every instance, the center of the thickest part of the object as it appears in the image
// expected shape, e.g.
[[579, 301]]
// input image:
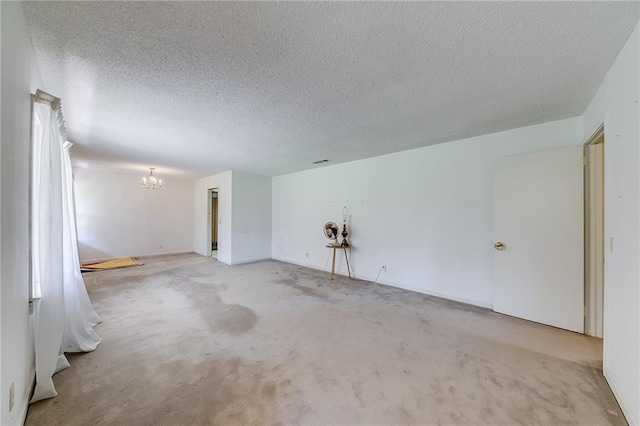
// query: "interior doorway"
[[213, 223], [594, 237]]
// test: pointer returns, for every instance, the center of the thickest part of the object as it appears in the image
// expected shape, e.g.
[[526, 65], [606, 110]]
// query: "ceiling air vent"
[[321, 161]]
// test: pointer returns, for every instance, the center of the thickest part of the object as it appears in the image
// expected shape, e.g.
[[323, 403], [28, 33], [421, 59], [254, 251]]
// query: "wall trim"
[[317, 268], [437, 294], [396, 285], [624, 404], [24, 404], [260, 259], [173, 253], [139, 256]]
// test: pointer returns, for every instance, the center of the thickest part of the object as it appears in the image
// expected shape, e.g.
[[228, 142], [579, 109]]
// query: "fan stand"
[[331, 231], [333, 261]]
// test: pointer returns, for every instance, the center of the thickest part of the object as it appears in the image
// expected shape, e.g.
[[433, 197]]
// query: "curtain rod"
[[55, 103], [44, 97]]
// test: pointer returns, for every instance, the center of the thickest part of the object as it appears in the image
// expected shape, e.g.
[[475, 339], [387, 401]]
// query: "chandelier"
[[151, 182]]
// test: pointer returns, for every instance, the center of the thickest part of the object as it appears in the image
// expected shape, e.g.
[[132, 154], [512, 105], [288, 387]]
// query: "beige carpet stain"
[[190, 341]]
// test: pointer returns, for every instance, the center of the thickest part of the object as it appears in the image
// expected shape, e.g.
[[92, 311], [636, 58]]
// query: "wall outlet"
[[12, 396]]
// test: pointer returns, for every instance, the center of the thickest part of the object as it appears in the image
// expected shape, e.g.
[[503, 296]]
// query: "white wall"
[[244, 216], [117, 217], [20, 77], [251, 218], [616, 105], [424, 213], [201, 221]]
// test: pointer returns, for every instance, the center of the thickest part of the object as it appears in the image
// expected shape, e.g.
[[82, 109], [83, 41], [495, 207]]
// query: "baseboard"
[[23, 407], [173, 253], [306, 265], [397, 285], [438, 294], [137, 256], [260, 259], [622, 402]]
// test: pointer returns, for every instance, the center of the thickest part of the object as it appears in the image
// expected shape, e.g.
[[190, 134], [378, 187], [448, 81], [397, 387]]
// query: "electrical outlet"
[[12, 396]]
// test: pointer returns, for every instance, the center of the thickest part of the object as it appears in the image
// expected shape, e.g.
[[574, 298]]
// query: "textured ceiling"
[[268, 88]]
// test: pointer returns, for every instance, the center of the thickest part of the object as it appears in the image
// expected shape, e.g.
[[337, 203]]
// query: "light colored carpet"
[[191, 341]]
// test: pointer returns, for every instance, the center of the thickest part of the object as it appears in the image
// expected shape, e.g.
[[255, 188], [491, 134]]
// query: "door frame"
[[594, 233], [210, 191]]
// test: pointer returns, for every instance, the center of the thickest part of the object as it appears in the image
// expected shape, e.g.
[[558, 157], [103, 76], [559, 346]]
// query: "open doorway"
[[213, 223], [594, 239]]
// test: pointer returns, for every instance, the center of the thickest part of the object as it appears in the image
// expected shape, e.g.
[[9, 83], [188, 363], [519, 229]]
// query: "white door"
[[538, 237]]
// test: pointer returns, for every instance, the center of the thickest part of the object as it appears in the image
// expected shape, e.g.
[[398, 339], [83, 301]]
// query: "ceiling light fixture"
[[151, 182]]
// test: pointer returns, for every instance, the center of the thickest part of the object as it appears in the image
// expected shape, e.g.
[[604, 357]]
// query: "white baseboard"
[[260, 259], [438, 294], [306, 265], [137, 256], [397, 285], [174, 253], [23, 405], [632, 420]]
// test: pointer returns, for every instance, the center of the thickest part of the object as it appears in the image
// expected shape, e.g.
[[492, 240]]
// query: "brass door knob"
[[499, 245]]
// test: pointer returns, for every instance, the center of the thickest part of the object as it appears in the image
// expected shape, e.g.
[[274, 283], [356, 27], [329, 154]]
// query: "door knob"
[[499, 245]]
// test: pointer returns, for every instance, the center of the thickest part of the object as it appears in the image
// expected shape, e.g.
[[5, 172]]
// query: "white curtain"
[[63, 315]]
